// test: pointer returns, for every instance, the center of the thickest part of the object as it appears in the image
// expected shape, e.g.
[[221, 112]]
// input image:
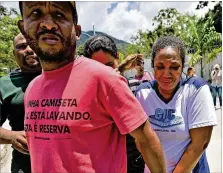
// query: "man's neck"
[[49, 66]]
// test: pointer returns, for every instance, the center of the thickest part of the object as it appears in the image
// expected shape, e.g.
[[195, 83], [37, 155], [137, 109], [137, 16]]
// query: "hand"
[[131, 62], [19, 142]]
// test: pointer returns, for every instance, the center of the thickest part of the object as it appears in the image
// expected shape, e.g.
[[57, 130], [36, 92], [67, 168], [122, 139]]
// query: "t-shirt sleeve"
[[200, 109], [123, 107], [3, 111]]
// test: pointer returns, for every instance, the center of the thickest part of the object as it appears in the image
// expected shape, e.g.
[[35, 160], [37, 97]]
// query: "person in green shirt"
[[12, 88]]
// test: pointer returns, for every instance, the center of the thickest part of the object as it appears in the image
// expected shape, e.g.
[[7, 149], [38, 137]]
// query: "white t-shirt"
[[191, 107]]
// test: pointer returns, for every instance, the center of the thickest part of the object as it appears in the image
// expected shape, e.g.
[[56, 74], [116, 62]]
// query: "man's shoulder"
[[95, 68], [4, 78], [9, 77]]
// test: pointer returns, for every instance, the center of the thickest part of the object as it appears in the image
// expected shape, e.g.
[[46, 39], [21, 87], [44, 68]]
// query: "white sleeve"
[[200, 109]]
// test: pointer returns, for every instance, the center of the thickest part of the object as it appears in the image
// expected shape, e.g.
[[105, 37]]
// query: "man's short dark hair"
[[167, 41], [72, 5], [189, 69], [100, 42]]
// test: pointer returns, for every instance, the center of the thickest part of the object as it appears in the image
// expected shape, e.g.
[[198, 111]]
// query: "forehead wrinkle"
[[18, 38], [168, 53], [169, 60], [57, 6], [34, 3], [21, 41]]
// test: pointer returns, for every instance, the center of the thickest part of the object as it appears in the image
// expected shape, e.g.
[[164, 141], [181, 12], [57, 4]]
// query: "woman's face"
[[167, 69], [105, 58]]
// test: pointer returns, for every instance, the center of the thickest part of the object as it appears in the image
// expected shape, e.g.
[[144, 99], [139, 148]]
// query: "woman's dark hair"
[[168, 41], [100, 42]]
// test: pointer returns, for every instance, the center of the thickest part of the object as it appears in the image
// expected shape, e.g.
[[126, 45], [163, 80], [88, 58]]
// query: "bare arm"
[[149, 145], [16, 138], [129, 63], [200, 138], [213, 75]]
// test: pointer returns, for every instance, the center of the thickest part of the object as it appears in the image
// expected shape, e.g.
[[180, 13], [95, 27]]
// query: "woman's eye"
[[175, 68], [159, 67]]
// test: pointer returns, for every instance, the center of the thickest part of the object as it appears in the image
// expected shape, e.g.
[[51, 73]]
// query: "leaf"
[[213, 54]]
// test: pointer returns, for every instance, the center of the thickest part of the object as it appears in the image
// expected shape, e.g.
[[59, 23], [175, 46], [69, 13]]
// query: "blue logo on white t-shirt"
[[165, 118]]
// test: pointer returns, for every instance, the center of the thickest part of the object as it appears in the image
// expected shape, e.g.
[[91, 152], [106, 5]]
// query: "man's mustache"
[[50, 32], [28, 53]]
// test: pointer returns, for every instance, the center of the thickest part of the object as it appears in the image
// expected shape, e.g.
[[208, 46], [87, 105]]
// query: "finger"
[[132, 58], [22, 133], [22, 139], [25, 147], [141, 56], [22, 151], [20, 145], [20, 148]]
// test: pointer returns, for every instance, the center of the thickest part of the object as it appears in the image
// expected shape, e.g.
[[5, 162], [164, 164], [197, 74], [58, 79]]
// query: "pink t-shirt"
[[76, 118]]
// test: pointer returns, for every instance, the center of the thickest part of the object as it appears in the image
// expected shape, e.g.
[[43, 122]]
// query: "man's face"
[[190, 73], [105, 58], [49, 29], [25, 56], [140, 66]]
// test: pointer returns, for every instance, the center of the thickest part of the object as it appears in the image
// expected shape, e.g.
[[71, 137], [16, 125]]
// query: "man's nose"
[[29, 51], [48, 23]]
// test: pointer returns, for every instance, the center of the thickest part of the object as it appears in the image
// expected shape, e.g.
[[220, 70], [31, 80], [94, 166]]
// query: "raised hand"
[[131, 62]]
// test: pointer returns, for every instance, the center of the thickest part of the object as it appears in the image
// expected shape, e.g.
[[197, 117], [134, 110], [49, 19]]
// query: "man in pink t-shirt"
[[76, 122]]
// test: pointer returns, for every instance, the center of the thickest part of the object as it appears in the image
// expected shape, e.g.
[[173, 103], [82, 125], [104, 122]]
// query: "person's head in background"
[[139, 67], [191, 72], [168, 57], [25, 56], [102, 49], [217, 67], [51, 30]]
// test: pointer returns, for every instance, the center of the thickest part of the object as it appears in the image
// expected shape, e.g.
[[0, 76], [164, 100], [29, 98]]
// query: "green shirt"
[[12, 89]]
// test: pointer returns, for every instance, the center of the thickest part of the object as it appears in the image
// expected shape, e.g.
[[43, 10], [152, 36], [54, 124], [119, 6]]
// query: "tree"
[[140, 44], [8, 30], [5, 12], [80, 49], [166, 17], [200, 36], [216, 13], [121, 57], [164, 26]]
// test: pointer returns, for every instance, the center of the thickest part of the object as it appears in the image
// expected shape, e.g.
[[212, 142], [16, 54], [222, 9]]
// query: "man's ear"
[[78, 31], [118, 57], [20, 24]]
